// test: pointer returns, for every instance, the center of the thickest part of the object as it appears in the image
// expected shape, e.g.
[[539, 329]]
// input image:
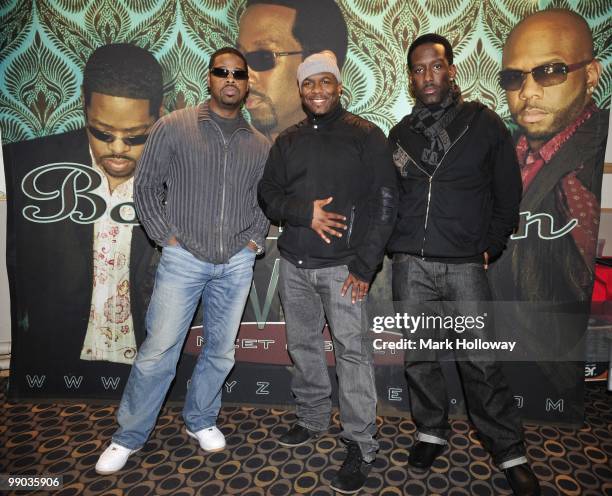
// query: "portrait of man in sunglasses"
[[80, 265], [549, 73], [276, 36]]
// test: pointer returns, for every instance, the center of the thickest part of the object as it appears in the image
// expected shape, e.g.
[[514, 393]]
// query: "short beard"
[[265, 122], [560, 122]]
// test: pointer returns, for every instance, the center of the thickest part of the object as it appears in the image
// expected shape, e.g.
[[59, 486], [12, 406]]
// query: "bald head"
[[567, 30], [556, 36]]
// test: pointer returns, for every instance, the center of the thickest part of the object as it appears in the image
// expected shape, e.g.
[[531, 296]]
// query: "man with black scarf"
[[460, 189]]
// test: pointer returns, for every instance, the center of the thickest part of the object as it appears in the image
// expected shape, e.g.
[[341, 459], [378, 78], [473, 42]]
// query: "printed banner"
[[70, 342]]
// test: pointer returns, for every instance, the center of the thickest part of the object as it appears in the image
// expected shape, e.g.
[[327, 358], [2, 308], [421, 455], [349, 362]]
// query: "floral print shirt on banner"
[[110, 331]]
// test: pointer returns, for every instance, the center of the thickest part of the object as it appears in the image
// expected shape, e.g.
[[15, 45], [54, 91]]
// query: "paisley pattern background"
[[44, 45]]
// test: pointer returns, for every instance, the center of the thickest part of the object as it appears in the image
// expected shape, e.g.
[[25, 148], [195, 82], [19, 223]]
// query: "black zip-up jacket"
[[469, 203], [340, 155]]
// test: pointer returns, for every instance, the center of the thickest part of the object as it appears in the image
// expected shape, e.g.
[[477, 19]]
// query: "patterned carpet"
[[50, 439]]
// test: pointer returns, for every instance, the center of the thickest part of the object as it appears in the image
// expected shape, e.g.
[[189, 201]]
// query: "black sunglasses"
[[545, 75], [139, 139], [264, 60], [237, 74]]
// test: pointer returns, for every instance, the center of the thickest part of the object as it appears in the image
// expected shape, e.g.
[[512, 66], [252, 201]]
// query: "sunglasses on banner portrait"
[[100, 135], [545, 75], [265, 60]]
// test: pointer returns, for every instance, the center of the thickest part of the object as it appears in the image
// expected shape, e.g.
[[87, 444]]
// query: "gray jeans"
[[308, 297]]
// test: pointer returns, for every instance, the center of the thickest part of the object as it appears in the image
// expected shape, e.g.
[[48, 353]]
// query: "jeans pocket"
[[245, 254], [169, 250]]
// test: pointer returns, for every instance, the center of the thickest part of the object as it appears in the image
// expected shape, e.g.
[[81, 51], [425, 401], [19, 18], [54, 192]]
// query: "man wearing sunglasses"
[[81, 276], [196, 195], [275, 36], [549, 74], [459, 196]]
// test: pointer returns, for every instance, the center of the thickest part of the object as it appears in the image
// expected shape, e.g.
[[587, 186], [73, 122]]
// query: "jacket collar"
[[204, 115], [323, 120]]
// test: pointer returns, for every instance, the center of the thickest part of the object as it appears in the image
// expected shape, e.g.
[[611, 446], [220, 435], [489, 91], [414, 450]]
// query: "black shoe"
[[522, 480], [296, 436], [354, 471], [423, 454]]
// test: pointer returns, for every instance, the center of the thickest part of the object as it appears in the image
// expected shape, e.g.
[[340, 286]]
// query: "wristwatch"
[[259, 250]]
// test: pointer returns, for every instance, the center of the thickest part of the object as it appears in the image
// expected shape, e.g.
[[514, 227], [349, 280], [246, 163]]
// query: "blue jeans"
[[308, 296], [489, 399], [181, 281]]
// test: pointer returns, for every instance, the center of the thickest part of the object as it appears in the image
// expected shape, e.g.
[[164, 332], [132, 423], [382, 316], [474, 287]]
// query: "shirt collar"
[[332, 115], [204, 115]]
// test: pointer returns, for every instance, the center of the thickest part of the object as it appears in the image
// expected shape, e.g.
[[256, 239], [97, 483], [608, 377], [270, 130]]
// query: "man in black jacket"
[[460, 189], [330, 179]]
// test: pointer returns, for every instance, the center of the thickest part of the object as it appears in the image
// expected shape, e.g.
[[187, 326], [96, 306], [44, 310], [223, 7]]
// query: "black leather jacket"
[[339, 155]]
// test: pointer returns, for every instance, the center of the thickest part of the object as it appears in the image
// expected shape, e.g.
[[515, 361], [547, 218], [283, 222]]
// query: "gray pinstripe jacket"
[[192, 184]]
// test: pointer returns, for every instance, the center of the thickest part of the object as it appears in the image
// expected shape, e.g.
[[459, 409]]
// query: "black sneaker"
[[354, 471], [296, 436], [423, 454]]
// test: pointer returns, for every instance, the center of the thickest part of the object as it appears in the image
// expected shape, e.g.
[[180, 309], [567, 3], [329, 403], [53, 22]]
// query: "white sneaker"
[[113, 459], [211, 439]]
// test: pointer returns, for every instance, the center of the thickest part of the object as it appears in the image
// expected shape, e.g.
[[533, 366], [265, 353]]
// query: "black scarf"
[[432, 122]]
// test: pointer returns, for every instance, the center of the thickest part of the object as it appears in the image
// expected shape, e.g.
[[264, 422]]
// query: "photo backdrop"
[[44, 45], [43, 48]]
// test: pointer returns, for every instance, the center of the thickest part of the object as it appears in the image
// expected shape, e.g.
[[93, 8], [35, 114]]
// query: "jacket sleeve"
[[507, 189], [261, 224], [273, 197], [381, 206], [151, 174]]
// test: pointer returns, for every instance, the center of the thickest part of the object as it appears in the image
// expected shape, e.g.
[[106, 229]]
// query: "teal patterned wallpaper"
[[44, 45]]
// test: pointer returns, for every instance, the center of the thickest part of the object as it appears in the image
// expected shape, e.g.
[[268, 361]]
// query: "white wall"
[[605, 224], [5, 313]]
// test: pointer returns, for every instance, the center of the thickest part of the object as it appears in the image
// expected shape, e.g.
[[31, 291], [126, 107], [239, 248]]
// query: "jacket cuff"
[[360, 270], [160, 238], [494, 249], [299, 212], [260, 239]]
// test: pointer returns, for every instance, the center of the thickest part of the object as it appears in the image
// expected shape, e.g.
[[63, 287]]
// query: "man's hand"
[[360, 288], [486, 260], [252, 246], [324, 222], [173, 241]]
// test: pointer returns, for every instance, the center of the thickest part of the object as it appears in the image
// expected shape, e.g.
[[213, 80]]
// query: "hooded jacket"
[[343, 156], [469, 203]]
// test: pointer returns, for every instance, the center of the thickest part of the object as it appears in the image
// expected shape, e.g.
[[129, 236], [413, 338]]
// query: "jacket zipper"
[[350, 226], [426, 216], [225, 150], [430, 184]]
